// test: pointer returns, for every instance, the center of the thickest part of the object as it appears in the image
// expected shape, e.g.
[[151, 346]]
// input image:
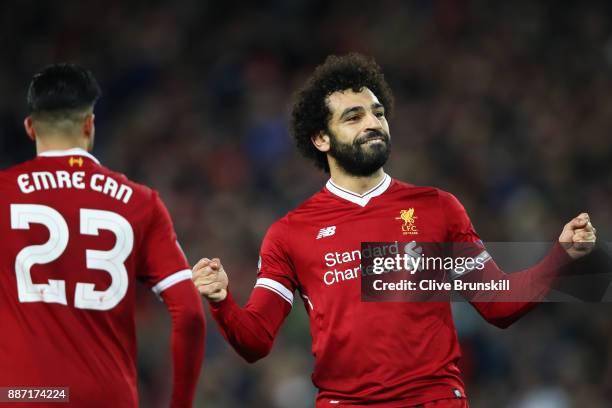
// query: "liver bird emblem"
[[407, 216]]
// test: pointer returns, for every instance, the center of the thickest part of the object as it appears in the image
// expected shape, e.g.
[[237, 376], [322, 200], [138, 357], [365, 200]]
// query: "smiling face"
[[357, 139]]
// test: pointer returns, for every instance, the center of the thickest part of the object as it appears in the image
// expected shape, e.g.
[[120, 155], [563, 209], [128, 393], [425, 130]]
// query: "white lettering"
[[110, 187], [378, 269], [377, 284], [335, 276], [77, 179], [124, 194], [23, 180], [45, 180], [329, 259], [331, 281], [63, 179], [94, 179]]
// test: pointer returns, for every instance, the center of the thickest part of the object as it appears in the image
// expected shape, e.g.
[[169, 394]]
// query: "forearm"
[[526, 288], [251, 330], [187, 342]]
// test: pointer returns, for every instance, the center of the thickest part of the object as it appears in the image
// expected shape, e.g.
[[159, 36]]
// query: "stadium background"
[[505, 104]]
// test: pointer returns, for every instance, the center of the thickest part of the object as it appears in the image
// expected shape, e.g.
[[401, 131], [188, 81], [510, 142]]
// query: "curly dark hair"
[[310, 114]]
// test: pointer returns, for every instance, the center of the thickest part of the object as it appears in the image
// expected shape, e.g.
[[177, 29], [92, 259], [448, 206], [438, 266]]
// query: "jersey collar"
[[76, 151], [359, 199]]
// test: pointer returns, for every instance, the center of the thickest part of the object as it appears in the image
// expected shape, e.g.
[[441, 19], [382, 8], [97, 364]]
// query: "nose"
[[373, 121]]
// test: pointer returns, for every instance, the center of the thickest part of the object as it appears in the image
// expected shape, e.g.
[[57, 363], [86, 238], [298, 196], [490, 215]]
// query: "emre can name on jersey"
[[45, 180]]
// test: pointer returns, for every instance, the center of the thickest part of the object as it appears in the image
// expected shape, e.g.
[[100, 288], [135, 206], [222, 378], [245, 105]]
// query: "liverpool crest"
[[409, 226]]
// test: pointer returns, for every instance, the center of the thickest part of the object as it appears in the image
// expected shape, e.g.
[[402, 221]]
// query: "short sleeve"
[[275, 270], [162, 261]]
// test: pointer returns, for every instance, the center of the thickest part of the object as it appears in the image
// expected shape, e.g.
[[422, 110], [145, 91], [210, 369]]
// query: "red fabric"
[[440, 403], [188, 332], [110, 241], [251, 330], [387, 354], [446, 403], [528, 287]]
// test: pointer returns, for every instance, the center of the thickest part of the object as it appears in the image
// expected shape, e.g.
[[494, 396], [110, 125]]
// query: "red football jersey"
[[386, 354], [367, 352], [75, 237]]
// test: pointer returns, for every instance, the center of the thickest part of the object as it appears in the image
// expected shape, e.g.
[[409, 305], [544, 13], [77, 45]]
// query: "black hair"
[[61, 90], [311, 115]]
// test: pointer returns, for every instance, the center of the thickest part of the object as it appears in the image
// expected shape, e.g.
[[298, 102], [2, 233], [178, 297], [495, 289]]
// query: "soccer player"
[[75, 238], [382, 354]]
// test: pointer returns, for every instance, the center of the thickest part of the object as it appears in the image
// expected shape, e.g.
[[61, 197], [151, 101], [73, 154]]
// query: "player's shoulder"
[[17, 168], [399, 187], [140, 190], [311, 208], [448, 199], [282, 226], [7, 175], [445, 199]]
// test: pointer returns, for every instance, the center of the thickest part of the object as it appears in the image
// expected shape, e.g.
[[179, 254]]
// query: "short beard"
[[357, 159]]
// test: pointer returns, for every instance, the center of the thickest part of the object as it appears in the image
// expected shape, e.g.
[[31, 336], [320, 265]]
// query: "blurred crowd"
[[505, 104]]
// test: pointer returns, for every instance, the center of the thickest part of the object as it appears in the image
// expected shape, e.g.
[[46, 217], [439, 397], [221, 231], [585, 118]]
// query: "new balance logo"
[[326, 232]]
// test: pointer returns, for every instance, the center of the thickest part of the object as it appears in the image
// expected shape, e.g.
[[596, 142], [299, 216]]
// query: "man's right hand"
[[578, 236], [210, 279]]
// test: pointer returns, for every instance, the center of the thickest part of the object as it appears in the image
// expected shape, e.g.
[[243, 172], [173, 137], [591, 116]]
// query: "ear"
[[321, 141], [88, 124], [28, 124]]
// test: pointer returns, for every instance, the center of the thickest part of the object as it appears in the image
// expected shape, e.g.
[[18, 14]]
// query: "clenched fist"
[[210, 279], [578, 236]]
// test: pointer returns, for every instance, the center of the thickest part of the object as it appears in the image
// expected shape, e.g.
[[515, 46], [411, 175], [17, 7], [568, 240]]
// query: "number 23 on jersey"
[[91, 222]]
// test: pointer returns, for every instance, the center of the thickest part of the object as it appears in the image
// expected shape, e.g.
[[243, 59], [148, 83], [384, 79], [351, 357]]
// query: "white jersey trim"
[[275, 287], [77, 151], [171, 280], [359, 199]]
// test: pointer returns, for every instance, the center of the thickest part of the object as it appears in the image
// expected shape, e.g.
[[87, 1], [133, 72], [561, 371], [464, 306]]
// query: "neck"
[[356, 184], [47, 144]]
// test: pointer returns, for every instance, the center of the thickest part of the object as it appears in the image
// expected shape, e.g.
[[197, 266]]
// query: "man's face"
[[358, 130]]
